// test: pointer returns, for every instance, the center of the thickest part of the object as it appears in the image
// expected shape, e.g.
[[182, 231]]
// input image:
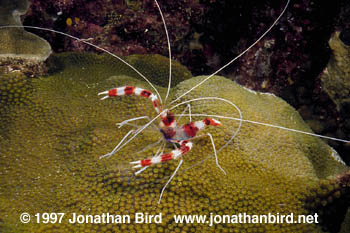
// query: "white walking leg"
[[214, 149], [216, 157], [116, 148], [171, 177]]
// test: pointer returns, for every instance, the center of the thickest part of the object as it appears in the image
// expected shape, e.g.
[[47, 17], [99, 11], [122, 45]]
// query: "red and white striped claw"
[[130, 90], [186, 146]]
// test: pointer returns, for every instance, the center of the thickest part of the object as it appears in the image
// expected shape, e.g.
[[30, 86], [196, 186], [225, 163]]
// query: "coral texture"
[[55, 128]]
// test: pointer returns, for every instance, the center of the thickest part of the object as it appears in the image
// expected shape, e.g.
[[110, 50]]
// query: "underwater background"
[[54, 128]]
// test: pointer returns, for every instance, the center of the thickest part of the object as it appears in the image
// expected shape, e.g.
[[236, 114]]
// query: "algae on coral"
[[50, 156]]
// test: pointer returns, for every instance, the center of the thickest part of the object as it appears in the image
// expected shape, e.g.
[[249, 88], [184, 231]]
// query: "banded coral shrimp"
[[178, 153], [194, 114], [168, 127]]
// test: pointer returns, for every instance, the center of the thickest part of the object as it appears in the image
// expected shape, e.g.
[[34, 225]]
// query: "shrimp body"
[[171, 132], [187, 131]]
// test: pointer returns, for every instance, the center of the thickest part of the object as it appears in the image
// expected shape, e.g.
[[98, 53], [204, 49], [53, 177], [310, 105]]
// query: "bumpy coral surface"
[[57, 128]]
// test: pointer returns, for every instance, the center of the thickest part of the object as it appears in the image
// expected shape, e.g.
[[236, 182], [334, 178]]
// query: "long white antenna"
[[169, 48], [234, 59], [91, 44], [269, 125]]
